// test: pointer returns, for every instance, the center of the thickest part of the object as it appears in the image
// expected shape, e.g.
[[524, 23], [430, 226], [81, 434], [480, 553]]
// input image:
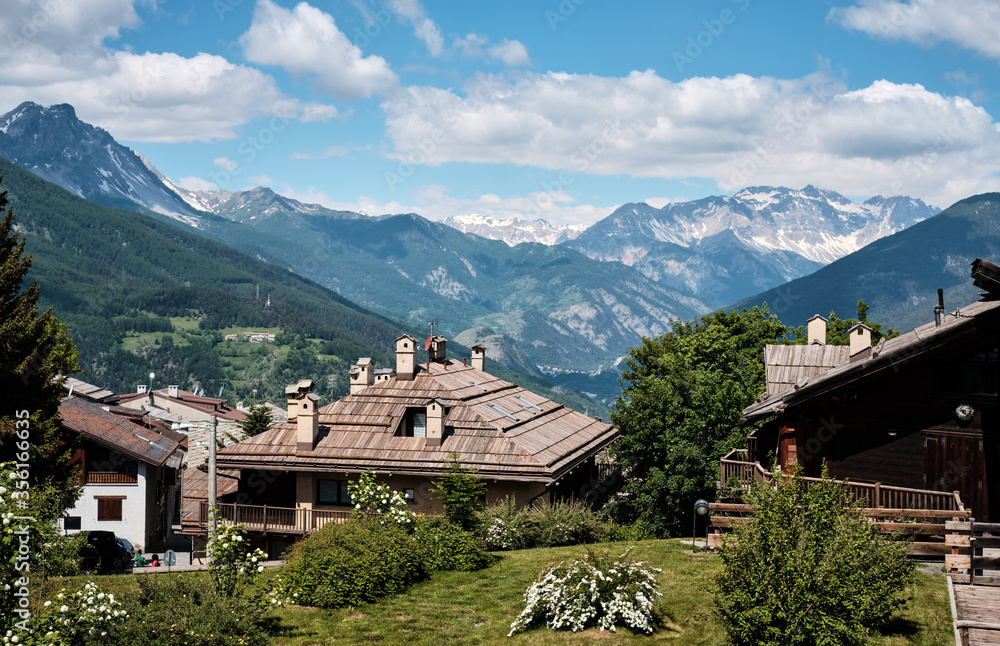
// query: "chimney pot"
[[172, 391], [303, 409], [479, 357], [816, 327], [939, 309], [362, 375], [436, 419], [436, 353], [406, 357], [861, 338]]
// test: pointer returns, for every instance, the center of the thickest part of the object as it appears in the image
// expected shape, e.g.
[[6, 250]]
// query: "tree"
[[35, 352], [259, 420], [462, 494], [683, 396], [808, 568]]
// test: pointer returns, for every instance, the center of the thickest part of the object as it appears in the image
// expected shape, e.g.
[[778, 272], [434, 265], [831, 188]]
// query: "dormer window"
[[414, 424]]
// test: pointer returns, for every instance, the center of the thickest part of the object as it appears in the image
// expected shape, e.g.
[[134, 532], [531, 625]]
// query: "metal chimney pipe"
[[939, 309]]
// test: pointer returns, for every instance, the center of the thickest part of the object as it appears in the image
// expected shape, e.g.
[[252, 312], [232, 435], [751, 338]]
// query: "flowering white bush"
[[500, 535], [83, 617], [372, 499], [232, 561], [592, 591]]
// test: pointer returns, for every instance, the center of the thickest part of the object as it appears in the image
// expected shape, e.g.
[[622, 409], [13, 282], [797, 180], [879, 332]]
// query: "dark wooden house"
[[918, 412]]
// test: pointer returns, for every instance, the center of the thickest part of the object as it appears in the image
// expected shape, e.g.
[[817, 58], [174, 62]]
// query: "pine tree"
[[35, 352]]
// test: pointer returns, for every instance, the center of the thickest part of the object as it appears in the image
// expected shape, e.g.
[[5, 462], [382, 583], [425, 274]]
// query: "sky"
[[553, 109]]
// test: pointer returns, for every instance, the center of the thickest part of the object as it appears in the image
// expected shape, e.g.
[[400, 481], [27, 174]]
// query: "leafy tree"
[[462, 494], [808, 569], [259, 420], [35, 350], [683, 395]]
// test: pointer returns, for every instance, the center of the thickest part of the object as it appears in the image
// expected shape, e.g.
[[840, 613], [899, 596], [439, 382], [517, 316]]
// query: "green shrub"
[[449, 547], [808, 569], [352, 563], [592, 591], [171, 610], [544, 524], [635, 531], [462, 494]]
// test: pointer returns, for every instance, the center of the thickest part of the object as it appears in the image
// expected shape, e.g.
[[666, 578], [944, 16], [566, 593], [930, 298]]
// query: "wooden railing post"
[[878, 495], [265, 519]]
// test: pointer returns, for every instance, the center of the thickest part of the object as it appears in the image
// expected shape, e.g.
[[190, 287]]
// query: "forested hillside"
[[144, 296]]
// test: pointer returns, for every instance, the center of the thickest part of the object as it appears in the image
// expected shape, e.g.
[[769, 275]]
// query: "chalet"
[[174, 399], [129, 471], [403, 424], [915, 418]]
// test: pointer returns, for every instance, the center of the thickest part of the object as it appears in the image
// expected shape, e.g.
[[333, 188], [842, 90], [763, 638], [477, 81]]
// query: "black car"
[[90, 559], [113, 556]]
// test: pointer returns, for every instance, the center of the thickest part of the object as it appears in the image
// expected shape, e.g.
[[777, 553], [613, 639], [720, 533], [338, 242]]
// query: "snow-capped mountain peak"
[[513, 231]]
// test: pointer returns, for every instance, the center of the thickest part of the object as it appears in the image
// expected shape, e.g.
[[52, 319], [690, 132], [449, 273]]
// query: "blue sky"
[[560, 109]]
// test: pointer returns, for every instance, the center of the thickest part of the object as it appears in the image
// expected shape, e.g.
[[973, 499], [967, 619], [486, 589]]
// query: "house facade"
[[129, 472], [404, 424], [917, 412]]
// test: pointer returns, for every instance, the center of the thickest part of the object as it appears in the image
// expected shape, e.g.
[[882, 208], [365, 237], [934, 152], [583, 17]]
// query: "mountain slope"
[[513, 231], [724, 248], [55, 145], [898, 276]]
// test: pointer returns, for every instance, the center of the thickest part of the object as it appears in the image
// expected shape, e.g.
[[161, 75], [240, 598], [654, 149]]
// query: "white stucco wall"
[[133, 523]]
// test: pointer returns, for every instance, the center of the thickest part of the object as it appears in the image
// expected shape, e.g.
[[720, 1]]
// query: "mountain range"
[[568, 307]]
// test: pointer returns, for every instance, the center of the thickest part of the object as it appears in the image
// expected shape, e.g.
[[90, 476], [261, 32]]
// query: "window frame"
[[342, 491], [106, 506]]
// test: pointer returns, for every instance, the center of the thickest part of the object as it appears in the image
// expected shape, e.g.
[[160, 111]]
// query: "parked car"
[[124, 542], [90, 559], [114, 557]]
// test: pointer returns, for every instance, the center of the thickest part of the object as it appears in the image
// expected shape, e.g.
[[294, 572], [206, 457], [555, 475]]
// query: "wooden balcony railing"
[[96, 477], [877, 496], [274, 520]]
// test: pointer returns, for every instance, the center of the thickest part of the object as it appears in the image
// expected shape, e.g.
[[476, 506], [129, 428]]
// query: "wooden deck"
[[976, 610]]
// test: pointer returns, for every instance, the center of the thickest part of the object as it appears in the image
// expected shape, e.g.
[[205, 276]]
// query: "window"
[[333, 492], [974, 377], [414, 424], [109, 507], [410, 495], [71, 522]]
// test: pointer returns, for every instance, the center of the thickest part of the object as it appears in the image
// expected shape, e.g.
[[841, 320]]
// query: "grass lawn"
[[478, 607]]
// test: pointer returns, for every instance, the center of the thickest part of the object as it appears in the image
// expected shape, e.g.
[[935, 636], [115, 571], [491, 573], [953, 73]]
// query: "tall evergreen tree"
[[35, 352]]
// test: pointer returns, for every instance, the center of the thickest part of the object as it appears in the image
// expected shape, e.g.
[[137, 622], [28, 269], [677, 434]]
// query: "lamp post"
[[700, 509], [212, 499]]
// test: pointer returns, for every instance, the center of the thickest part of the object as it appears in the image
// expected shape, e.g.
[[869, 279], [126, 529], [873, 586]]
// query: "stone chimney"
[[141, 389], [172, 391], [479, 357], [362, 375], [303, 409], [861, 341], [436, 353], [406, 357], [436, 419], [816, 327]]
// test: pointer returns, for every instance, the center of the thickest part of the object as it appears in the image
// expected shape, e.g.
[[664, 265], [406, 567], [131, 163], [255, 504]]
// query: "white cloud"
[[972, 24], [511, 52], [887, 138], [53, 52], [260, 180], [412, 11], [196, 184], [225, 163], [306, 40]]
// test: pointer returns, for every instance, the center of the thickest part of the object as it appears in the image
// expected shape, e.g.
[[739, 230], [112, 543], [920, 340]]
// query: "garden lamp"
[[700, 509]]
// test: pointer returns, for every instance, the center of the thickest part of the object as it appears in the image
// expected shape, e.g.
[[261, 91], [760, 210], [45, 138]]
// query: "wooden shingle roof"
[[788, 365], [116, 432], [497, 427]]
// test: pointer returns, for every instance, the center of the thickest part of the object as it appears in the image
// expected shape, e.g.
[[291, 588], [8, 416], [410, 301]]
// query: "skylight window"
[[477, 386]]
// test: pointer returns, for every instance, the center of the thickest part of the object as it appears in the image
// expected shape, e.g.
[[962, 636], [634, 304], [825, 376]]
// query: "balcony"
[[274, 520], [107, 477]]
